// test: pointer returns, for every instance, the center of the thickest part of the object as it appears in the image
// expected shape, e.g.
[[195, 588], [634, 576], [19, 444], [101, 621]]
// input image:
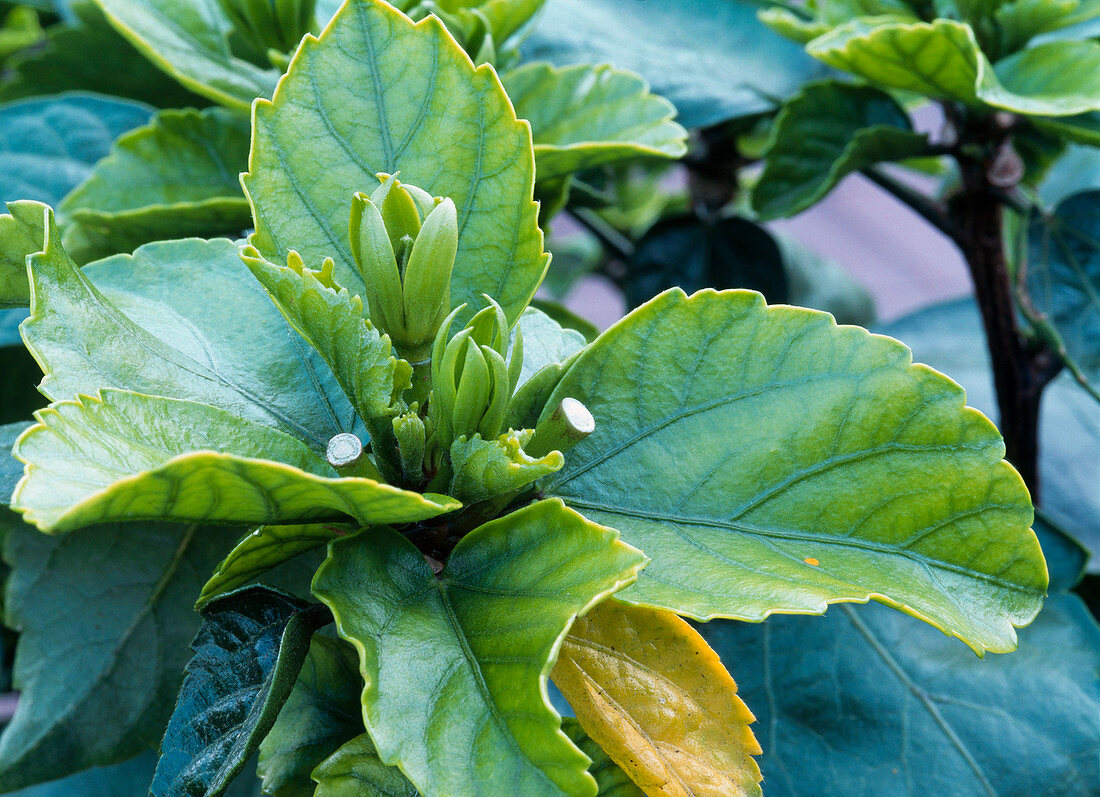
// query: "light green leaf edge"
[[22, 230], [126, 456], [497, 553], [584, 116], [509, 266], [746, 566]]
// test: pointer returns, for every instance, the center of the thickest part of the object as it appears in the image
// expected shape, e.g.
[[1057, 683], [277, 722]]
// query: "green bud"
[[427, 280], [399, 213], [373, 254], [271, 24], [411, 435]]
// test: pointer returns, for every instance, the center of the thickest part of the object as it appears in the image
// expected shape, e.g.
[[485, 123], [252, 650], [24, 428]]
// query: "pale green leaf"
[[376, 93], [1054, 79], [455, 665], [545, 342], [189, 39], [487, 468], [774, 462], [321, 714], [826, 132], [656, 698], [1019, 21], [259, 551], [22, 230], [792, 26], [355, 770], [92, 694], [127, 456], [610, 780], [175, 177], [587, 116]]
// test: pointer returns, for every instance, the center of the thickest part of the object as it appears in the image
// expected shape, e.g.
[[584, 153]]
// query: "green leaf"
[[774, 462], [545, 342], [11, 469], [128, 778], [92, 693], [824, 133], [22, 229], [1081, 129], [175, 177], [1054, 79], [261, 550], [378, 94], [487, 468], [322, 713], [63, 63], [456, 665], [1019, 21], [505, 17], [248, 652], [587, 116], [127, 456], [711, 58], [863, 702], [332, 322], [49, 145], [146, 323], [610, 780], [355, 770], [190, 41]]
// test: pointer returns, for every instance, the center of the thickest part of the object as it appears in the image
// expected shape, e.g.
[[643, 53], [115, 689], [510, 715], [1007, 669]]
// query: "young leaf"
[[657, 700], [863, 696], [248, 652], [376, 93], [487, 468], [237, 353], [610, 780], [21, 233], [355, 770], [127, 456], [545, 342], [1053, 79], [175, 177], [826, 132], [92, 694], [744, 464], [321, 714], [259, 551], [456, 665], [587, 116], [190, 41]]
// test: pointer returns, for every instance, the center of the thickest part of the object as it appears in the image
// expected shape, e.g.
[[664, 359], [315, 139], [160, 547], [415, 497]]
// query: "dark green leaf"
[[322, 712], [824, 133], [455, 665], [11, 469], [248, 652], [865, 703], [355, 770], [1081, 129], [712, 58], [130, 777], [92, 693]]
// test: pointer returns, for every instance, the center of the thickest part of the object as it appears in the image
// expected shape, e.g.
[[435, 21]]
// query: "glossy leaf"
[[655, 697], [49, 145], [610, 780], [246, 659], [445, 126], [190, 41], [127, 456], [91, 693], [1054, 79], [456, 665], [261, 550], [587, 116], [21, 234], [487, 468], [321, 714], [175, 177], [355, 770], [711, 58], [862, 701], [146, 323], [826, 132], [744, 466]]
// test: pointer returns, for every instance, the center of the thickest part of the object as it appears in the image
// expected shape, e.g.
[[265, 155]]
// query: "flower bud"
[[271, 24]]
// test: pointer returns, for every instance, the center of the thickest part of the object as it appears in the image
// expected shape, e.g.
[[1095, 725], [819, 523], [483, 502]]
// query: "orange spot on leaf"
[[811, 561]]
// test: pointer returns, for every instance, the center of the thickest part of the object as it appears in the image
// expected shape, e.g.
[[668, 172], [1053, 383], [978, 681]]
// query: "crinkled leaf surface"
[[861, 702], [321, 714], [487, 468], [774, 462], [377, 94], [189, 39], [586, 116], [128, 456], [175, 177], [829, 130], [355, 770], [262, 549], [92, 693], [148, 323], [247, 655], [610, 780], [656, 698], [456, 665], [711, 58]]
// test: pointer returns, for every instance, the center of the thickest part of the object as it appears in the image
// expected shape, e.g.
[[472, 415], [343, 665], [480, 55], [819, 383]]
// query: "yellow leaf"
[[656, 698]]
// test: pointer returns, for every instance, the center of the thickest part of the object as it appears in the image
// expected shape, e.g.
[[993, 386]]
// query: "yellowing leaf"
[[656, 698]]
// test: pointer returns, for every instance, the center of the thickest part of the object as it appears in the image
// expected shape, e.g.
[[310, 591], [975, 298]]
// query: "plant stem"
[[927, 208], [613, 240]]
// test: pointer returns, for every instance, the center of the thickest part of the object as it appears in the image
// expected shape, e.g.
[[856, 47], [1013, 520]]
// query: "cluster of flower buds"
[[271, 25], [473, 376], [469, 26], [404, 242]]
